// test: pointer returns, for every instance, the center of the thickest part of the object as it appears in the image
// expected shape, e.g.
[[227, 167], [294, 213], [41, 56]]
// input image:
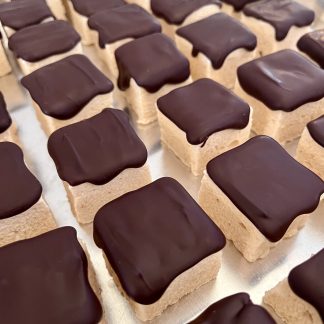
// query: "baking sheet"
[[236, 274]]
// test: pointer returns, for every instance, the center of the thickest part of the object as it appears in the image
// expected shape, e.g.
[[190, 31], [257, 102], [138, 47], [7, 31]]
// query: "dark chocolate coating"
[[129, 21], [306, 281], [176, 11], [204, 108], [238, 4], [5, 119], [312, 44], [88, 8], [19, 189], [316, 129], [23, 13], [152, 235], [97, 149], [45, 280], [38, 42], [62, 89], [235, 309], [284, 80], [152, 61], [266, 184], [281, 15], [218, 36]]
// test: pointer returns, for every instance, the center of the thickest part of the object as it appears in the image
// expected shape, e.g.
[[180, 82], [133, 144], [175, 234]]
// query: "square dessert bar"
[[48, 280], [174, 14], [277, 24], [310, 150], [258, 195], [312, 44], [285, 91], [40, 45], [118, 26], [299, 298], [159, 245], [238, 309], [68, 91], [98, 159], [149, 67], [5, 67], [216, 54], [201, 121], [23, 212], [81, 10], [8, 131]]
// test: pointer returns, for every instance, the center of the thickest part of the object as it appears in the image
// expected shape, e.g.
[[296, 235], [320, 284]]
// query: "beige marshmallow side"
[[5, 67]]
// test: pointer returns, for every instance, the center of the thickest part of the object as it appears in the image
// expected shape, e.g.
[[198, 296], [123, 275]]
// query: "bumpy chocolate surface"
[[23, 13], [306, 281], [238, 4], [88, 8], [204, 108], [129, 21], [284, 80], [97, 149], [19, 189], [5, 120], [281, 15], [235, 309], [313, 45], [266, 184], [38, 42], [176, 11], [63, 88], [316, 129], [217, 36], [152, 235], [46, 280], [152, 61]]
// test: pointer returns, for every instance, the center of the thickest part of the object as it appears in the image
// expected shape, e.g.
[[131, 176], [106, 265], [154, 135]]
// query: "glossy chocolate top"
[[204, 108], [5, 120], [235, 309], [63, 88], [88, 8], [306, 281], [227, 35], [46, 279], [152, 61], [152, 235], [38, 42], [97, 149], [176, 11], [266, 184], [19, 189], [238, 4], [23, 13], [130, 21], [316, 129], [284, 80], [313, 45], [281, 15]]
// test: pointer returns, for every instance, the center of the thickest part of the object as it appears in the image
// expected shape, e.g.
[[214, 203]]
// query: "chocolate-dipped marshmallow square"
[[285, 91], [116, 27], [216, 46], [202, 120], [149, 67], [23, 212], [8, 131], [278, 24], [39, 45], [49, 280], [258, 195], [234, 309], [98, 159], [68, 91], [159, 245], [299, 298], [5, 67], [82, 10], [310, 150]]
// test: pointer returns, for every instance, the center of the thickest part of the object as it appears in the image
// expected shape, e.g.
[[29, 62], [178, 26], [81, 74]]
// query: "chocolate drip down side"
[[238, 5], [5, 119]]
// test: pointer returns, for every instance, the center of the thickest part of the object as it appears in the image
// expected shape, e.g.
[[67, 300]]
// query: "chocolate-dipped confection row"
[[5, 119], [316, 129]]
